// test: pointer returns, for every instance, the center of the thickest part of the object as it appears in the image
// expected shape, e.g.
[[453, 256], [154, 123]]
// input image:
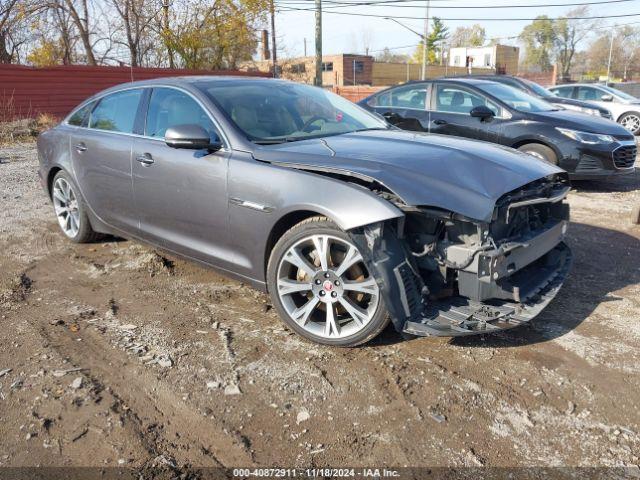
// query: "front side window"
[[117, 112], [412, 96], [589, 93], [452, 99], [80, 118], [169, 107]]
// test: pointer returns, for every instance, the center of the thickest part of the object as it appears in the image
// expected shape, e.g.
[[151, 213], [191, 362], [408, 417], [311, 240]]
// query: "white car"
[[625, 108]]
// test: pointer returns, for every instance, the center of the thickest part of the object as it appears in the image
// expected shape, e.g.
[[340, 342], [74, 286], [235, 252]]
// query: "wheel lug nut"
[[334, 294], [326, 275], [322, 293], [337, 283], [317, 281]]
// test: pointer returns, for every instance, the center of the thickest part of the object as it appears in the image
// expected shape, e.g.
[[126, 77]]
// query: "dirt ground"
[[115, 354]]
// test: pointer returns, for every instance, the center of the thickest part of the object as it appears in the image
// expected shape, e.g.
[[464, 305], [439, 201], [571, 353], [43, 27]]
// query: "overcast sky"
[[349, 34]]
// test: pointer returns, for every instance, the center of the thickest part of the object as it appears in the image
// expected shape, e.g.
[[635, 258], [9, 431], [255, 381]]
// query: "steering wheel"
[[312, 120]]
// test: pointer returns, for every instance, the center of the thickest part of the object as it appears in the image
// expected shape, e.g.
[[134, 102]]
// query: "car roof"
[[578, 85], [466, 80], [187, 80]]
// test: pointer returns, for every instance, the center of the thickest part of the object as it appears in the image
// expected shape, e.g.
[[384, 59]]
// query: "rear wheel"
[[631, 121], [540, 151], [321, 287], [70, 210]]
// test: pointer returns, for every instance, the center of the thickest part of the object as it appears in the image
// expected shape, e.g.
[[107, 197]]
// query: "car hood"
[[452, 173], [580, 121]]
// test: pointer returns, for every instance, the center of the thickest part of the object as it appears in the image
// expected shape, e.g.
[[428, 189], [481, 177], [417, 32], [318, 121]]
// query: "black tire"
[[627, 117], [304, 229], [540, 151], [85, 233]]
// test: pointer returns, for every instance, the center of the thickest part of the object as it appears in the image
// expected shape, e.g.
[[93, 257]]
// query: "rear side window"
[[411, 96], [80, 118], [457, 100], [565, 92], [169, 107], [117, 112]]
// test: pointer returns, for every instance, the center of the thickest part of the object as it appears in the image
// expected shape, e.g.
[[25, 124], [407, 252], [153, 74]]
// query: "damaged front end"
[[444, 274]]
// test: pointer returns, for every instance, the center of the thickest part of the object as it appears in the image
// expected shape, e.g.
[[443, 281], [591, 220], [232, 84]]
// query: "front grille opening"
[[625, 157]]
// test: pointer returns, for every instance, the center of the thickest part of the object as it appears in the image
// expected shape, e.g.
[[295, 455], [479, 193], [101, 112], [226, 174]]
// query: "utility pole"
[[318, 79], [305, 46], [273, 39], [424, 44], [610, 52], [167, 41]]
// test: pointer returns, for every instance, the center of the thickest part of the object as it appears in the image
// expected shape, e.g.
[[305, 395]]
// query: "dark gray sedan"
[[346, 221]]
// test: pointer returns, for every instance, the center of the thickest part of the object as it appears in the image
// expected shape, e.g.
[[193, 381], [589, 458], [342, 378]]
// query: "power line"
[[353, 14], [394, 3]]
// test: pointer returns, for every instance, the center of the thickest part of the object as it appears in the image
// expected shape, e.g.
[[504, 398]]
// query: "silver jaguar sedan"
[[347, 222]]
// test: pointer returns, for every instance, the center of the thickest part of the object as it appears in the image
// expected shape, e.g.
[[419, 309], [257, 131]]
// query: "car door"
[[180, 194], [101, 158], [405, 106], [451, 107]]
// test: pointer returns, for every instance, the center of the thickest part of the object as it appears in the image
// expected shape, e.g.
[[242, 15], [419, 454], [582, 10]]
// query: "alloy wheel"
[[631, 122], [325, 287], [65, 203]]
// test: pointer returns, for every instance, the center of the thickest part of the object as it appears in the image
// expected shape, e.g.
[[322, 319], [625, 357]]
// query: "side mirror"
[[191, 136], [392, 117], [607, 97], [482, 112]]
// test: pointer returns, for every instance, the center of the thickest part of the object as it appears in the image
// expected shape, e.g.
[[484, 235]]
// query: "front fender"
[[261, 194]]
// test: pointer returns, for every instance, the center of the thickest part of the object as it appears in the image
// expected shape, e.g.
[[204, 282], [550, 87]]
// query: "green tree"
[[46, 54], [539, 39], [214, 35], [437, 34], [387, 56]]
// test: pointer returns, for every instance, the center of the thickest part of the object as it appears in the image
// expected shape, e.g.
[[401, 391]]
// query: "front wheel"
[[631, 121], [321, 287], [541, 152]]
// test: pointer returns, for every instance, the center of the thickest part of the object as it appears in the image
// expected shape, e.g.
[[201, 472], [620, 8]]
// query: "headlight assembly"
[[584, 137]]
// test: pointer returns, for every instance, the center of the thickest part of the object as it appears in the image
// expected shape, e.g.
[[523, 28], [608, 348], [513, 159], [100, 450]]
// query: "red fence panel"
[[355, 93], [28, 91]]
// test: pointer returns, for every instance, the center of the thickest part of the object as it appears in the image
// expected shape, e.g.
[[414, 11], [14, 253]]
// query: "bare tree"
[[78, 11], [14, 16], [569, 34], [136, 17]]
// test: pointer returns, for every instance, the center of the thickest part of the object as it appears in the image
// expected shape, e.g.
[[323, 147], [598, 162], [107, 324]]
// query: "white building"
[[501, 58]]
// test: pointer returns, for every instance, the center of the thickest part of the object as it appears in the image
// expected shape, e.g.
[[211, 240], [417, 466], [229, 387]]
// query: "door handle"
[[80, 147], [440, 122], [145, 159]]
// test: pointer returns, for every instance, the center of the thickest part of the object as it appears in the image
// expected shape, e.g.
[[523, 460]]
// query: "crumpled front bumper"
[[460, 316]]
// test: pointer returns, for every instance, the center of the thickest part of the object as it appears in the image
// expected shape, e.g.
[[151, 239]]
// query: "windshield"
[[619, 93], [538, 89], [274, 112], [515, 98]]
